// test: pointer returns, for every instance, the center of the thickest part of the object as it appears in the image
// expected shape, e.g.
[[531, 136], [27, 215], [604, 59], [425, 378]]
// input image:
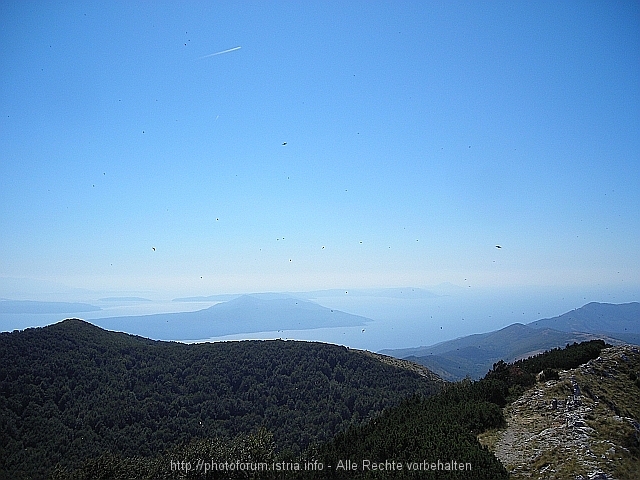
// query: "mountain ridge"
[[72, 391], [595, 317], [243, 314], [474, 354], [584, 424]]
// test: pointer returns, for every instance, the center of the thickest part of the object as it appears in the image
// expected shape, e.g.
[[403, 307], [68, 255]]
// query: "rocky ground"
[[582, 426]]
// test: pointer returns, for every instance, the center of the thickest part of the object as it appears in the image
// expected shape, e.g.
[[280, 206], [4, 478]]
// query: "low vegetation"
[[584, 423], [445, 426]]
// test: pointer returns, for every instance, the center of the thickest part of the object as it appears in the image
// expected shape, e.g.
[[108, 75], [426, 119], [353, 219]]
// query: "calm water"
[[396, 322]]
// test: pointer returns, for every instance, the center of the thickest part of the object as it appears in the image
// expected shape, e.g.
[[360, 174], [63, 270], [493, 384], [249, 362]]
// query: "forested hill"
[[71, 391]]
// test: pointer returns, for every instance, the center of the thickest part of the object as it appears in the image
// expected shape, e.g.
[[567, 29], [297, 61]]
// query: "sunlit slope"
[[596, 317], [474, 355], [585, 423]]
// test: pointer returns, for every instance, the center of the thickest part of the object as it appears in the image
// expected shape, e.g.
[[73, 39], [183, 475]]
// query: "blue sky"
[[419, 135]]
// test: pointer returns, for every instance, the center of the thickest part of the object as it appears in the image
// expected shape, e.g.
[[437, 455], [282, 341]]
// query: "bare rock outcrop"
[[582, 426]]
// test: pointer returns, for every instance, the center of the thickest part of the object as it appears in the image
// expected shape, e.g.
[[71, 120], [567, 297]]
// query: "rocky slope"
[[583, 426]]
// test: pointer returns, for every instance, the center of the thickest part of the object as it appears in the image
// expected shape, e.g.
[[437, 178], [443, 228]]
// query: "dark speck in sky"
[[188, 165]]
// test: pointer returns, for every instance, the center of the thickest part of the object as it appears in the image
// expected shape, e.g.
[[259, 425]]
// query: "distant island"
[[124, 299], [243, 314], [36, 307]]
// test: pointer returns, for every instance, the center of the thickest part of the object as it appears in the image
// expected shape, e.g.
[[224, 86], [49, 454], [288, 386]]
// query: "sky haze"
[[345, 144]]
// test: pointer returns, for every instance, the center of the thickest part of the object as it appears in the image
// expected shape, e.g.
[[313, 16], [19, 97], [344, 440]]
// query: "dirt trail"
[[576, 427]]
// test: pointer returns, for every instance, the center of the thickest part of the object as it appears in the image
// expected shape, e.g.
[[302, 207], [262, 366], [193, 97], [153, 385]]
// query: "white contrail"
[[220, 53]]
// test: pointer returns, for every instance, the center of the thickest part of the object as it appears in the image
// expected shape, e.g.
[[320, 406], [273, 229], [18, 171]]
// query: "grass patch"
[[490, 438]]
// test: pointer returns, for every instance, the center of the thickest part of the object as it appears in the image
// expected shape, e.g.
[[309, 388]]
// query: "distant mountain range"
[[244, 314], [36, 307], [124, 300], [596, 317], [474, 355], [225, 297], [398, 292]]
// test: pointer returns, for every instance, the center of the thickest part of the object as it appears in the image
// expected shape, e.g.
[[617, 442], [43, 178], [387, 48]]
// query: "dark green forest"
[[445, 426], [80, 402], [522, 373], [71, 391], [419, 431]]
